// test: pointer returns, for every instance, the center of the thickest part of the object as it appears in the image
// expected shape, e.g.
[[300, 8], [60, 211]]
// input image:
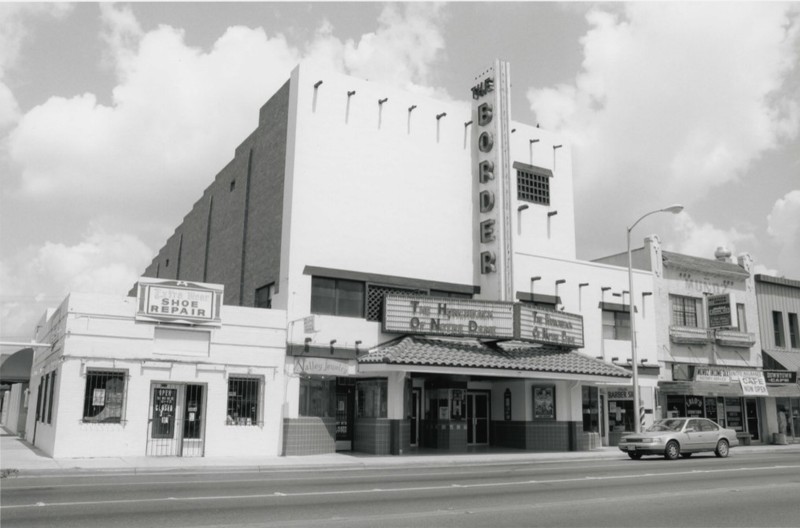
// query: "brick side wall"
[[225, 240]]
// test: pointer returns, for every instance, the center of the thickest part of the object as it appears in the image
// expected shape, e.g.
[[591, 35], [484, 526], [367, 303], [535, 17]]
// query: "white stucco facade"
[[99, 335]]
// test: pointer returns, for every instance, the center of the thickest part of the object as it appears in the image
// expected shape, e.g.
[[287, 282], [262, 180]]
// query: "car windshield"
[[671, 424]]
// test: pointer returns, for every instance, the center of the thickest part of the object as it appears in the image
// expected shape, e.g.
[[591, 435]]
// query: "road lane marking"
[[385, 490]]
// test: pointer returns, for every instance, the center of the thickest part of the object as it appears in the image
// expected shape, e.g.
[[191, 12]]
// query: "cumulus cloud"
[[673, 101], [784, 228], [701, 239], [13, 33], [39, 277], [174, 119]]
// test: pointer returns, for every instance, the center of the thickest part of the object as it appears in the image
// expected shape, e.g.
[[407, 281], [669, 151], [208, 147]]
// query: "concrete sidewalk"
[[19, 458]]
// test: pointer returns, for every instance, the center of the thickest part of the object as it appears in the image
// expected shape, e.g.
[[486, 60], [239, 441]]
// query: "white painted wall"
[[378, 189], [101, 333]]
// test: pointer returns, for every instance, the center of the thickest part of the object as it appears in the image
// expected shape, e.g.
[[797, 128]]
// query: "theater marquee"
[[181, 302], [445, 316]]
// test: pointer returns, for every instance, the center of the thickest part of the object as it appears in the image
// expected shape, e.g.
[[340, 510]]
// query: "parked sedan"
[[674, 437]]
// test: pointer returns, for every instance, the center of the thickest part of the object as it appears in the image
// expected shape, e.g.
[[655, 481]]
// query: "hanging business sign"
[[751, 380], [780, 376], [181, 302], [753, 384], [720, 311], [445, 316]]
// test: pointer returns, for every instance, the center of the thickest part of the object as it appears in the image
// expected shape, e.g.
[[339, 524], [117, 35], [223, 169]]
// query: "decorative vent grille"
[[375, 295], [533, 187]]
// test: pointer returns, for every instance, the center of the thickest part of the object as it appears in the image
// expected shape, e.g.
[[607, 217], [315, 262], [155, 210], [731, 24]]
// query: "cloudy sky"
[[115, 117]]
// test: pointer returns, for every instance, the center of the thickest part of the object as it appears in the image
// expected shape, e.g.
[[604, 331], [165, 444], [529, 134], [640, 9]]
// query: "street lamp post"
[[674, 209]]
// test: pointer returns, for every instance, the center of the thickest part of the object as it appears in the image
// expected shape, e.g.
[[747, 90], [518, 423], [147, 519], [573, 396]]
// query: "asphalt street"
[[748, 490]]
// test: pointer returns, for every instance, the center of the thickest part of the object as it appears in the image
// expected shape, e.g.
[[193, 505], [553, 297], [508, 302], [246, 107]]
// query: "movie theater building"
[[424, 253], [167, 372]]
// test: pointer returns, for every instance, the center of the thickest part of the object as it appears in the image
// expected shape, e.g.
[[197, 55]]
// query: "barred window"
[[104, 397], [533, 187], [243, 398]]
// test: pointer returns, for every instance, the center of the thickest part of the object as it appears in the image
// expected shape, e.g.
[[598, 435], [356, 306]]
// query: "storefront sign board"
[[753, 385], [713, 374], [445, 316], [322, 367], [179, 302], [620, 394], [780, 376], [550, 328], [448, 317]]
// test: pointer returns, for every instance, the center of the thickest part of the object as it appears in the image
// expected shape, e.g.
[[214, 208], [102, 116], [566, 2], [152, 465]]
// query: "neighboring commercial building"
[[170, 372], [708, 339], [778, 308], [15, 373], [424, 254]]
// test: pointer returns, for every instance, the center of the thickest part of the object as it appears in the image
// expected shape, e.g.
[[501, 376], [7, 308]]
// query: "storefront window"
[[104, 396], [733, 414], [676, 406], [243, 396], [318, 397], [590, 410], [620, 415], [694, 406], [371, 399]]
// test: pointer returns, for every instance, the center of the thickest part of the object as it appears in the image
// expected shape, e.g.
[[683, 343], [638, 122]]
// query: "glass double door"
[[477, 418], [176, 426]]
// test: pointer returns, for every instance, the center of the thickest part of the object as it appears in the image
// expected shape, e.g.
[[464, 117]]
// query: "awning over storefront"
[[789, 360], [470, 353], [789, 390]]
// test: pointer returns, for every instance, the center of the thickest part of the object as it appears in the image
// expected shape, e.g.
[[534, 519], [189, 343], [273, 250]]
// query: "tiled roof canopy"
[[414, 350]]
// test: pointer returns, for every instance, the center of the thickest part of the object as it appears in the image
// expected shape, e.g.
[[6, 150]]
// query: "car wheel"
[[672, 451], [686, 455], [635, 456], [722, 449]]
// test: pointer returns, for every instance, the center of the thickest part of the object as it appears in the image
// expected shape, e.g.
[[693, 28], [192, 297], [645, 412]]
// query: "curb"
[[379, 462]]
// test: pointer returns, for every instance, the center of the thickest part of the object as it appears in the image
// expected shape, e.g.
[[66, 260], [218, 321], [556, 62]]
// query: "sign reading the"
[[551, 328], [491, 119], [720, 312], [179, 302], [409, 314], [449, 317]]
